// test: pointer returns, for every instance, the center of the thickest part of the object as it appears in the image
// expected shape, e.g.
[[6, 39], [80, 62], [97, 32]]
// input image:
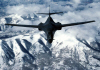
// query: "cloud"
[[66, 36], [77, 1], [87, 31], [89, 12], [25, 9]]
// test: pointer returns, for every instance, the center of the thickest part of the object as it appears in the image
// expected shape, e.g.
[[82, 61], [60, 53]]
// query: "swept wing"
[[77, 23]]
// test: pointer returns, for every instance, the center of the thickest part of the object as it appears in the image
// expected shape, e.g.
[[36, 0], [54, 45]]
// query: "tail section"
[[50, 13]]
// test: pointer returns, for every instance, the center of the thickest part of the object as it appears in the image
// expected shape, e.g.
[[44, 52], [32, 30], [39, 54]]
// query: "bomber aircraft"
[[50, 27]]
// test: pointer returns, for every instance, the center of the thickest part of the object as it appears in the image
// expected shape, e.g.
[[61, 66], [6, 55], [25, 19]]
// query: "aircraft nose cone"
[[50, 40]]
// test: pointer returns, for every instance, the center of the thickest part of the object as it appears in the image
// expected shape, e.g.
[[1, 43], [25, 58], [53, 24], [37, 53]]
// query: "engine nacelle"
[[58, 26], [40, 26]]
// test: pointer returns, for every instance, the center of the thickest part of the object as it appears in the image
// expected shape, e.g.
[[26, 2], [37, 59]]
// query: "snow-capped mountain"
[[74, 48]]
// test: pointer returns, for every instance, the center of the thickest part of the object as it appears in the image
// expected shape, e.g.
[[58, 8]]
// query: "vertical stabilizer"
[[49, 10]]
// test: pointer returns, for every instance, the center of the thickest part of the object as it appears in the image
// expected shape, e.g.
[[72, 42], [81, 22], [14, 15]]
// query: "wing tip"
[[7, 24], [93, 20]]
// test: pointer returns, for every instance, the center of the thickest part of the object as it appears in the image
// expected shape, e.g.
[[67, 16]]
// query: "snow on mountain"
[[74, 48]]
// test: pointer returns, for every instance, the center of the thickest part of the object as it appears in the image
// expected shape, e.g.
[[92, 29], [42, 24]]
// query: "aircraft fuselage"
[[49, 27]]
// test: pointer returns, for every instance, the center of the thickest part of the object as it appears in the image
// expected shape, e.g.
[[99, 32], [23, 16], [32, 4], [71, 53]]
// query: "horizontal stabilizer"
[[21, 25], [50, 13], [77, 23]]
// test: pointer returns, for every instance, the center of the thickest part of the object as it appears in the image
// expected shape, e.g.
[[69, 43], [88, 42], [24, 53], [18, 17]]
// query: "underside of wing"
[[21, 25], [77, 23]]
